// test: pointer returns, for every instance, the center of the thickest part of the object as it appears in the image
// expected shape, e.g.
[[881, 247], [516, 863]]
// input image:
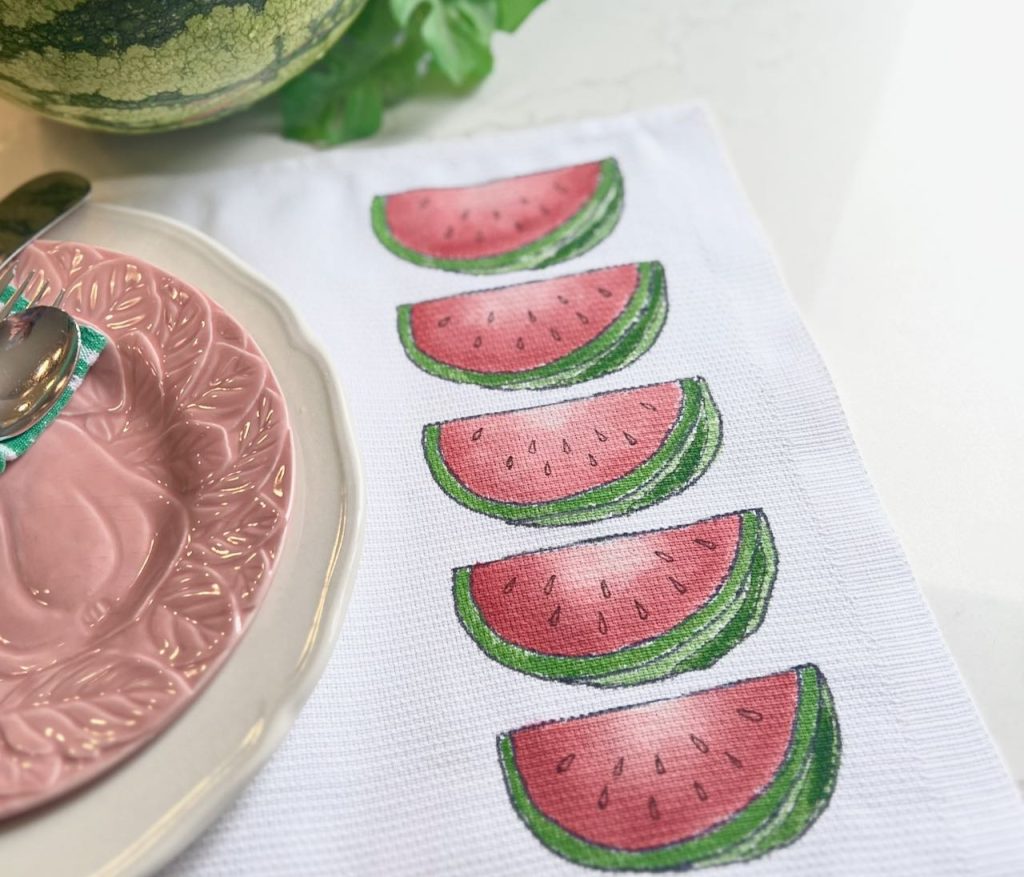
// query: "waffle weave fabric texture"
[[392, 767]]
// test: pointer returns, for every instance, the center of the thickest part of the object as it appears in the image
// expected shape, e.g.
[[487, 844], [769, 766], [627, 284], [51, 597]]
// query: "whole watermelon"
[[151, 65]]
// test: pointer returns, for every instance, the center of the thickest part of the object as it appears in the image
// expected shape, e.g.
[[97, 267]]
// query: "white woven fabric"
[[391, 768]]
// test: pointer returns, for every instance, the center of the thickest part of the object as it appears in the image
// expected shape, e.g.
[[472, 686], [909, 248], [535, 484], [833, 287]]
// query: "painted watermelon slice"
[[578, 461], [537, 335], [720, 776], [505, 225], [622, 610]]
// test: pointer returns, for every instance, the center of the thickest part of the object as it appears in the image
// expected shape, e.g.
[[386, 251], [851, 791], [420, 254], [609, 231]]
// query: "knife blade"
[[35, 206]]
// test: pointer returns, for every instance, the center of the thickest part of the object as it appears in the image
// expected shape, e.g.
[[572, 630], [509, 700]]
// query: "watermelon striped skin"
[[775, 816], [734, 612], [626, 339], [588, 226], [136, 66]]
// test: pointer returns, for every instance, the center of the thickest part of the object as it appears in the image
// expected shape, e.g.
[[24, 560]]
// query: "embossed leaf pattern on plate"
[[183, 401]]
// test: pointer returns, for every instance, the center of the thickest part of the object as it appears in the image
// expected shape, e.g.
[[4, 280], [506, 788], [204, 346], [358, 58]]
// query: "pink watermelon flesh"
[[542, 454], [519, 328], [646, 776], [474, 222], [597, 598]]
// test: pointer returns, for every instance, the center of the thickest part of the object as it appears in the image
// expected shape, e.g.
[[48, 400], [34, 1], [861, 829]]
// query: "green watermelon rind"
[[594, 236], [807, 800], [634, 343], [638, 340], [806, 777], [741, 617], [676, 472], [686, 643], [677, 463], [649, 291], [582, 231], [693, 458]]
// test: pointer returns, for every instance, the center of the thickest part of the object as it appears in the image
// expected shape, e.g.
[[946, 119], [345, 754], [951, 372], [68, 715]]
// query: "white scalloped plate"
[[139, 816]]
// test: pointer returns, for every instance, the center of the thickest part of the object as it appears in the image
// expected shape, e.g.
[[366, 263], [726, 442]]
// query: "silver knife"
[[34, 207]]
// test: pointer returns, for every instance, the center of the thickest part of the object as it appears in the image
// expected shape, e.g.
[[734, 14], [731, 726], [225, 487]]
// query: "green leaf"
[[395, 48], [512, 13], [458, 33], [403, 10], [364, 110]]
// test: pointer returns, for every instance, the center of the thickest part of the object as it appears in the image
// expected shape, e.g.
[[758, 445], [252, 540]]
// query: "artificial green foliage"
[[396, 48]]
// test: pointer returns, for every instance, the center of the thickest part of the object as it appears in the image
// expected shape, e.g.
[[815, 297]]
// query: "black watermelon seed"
[[509, 585], [619, 765], [561, 188], [592, 459], [545, 210], [629, 438], [652, 808], [496, 214], [444, 321], [448, 232], [583, 318], [479, 237], [604, 293], [547, 468], [563, 299], [641, 610], [520, 344], [424, 202], [750, 715], [490, 317], [699, 789], [648, 406], [464, 215], [565, 447], [555, 335], [478, 341], [733, 760], [602, 800], [700, 744], [668, 558], [602, 625], [550, 585], [533, 318], [508, 462], [606, 592], [533, 447], [518, 225], [659, 767], [601, 437], [706, 543], [553, 619], [678, 585], [565, 763], [523, 199], [476, 435]]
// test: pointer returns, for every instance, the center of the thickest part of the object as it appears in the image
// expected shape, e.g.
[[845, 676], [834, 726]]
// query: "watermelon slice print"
[[622, 610], [721, 776], [548, 333], [505, 225], [578, 461]]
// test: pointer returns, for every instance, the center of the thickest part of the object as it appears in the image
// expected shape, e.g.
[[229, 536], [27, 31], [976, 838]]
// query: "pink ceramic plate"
[[138, 536]]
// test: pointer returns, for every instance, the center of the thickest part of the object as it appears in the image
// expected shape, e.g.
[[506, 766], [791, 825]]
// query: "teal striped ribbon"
[[91, 344]]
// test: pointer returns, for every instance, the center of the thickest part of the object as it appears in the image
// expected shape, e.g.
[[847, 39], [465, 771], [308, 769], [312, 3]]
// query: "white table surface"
[[882, 145]]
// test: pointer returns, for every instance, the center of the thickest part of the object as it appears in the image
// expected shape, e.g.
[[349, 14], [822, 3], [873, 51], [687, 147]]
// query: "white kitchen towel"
[[392, 768]]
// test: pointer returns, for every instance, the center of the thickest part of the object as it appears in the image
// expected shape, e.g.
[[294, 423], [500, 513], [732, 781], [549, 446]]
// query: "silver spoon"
[[38, 352]]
